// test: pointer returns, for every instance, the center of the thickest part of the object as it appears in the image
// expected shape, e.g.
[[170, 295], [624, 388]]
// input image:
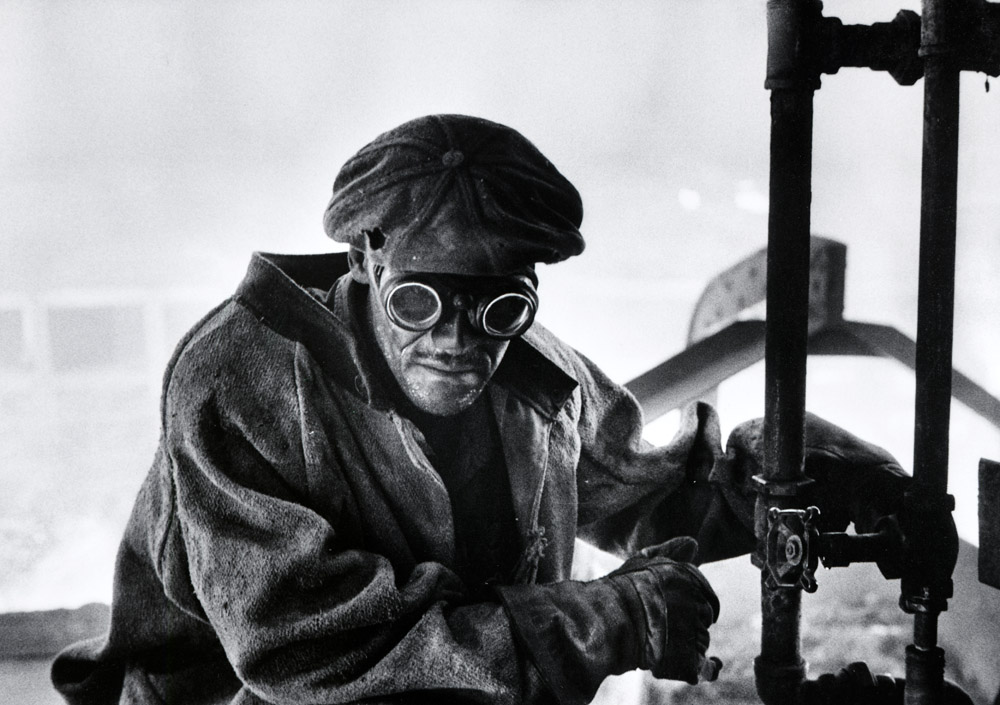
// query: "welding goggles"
[[503, 308]]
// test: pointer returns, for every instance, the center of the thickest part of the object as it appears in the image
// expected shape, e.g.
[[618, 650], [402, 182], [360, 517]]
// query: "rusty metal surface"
[[926, 584], [792, 80], [791, 546], [779, 669], [936, 286], [744, 285]]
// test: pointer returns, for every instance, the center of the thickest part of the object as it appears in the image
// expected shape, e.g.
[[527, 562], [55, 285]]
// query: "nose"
[[452, 330]]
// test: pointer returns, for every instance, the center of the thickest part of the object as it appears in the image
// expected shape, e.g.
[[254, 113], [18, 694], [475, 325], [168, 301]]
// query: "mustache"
[[466, 358]]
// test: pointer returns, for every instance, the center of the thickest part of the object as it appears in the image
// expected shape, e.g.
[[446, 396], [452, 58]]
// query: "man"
[[373, 467]]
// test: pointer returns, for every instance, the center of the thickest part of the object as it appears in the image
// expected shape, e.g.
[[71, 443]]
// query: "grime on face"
[[443, 369]]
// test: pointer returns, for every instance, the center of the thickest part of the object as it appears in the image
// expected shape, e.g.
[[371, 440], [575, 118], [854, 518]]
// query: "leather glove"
[[675, 603], [855, 481], [652, 613]]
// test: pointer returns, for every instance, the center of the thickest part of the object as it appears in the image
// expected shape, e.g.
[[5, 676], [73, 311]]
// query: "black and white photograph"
[[499, 352]]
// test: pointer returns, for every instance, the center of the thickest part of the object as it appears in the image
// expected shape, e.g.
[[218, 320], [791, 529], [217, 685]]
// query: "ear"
[[356, 258]]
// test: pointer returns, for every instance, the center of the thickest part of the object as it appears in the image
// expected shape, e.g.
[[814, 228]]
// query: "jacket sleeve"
[[302, 616], [632, 494]]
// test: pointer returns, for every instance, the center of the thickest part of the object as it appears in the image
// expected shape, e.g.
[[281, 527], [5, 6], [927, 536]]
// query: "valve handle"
[[791, 556]]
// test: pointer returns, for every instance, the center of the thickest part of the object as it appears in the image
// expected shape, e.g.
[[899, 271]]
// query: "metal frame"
[[721, 343]]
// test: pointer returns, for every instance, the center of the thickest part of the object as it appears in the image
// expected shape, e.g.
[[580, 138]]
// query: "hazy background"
[[147, 148]]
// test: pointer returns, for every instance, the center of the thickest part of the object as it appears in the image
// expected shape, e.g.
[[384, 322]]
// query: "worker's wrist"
[[576, 633]]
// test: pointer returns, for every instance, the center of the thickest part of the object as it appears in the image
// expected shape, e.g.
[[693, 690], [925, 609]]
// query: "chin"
[[445, 402]]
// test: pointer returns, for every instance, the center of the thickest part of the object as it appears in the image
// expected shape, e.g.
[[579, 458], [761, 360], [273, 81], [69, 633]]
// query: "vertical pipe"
[[927, 581], [935, 303], [786, 335], [780, 669]]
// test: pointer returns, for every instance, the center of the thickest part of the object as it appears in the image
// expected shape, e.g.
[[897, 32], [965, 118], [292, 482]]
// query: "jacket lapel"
[[527, 394]]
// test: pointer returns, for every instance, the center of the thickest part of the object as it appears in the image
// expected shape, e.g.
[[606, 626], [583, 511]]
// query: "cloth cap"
[[455, 194]]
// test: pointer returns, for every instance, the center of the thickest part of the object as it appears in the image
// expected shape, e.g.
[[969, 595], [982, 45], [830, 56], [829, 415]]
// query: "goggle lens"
[[507, 315], [414, 306], [417, 306]]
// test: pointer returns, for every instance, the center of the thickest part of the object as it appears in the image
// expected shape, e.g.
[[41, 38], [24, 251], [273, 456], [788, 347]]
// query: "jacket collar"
[[313, 300]]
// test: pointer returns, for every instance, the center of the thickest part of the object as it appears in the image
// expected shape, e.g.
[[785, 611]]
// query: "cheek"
[[495, 349], [395, 343]]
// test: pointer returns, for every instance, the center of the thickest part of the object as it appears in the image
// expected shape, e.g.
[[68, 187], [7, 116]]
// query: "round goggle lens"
[[507, 315], [414, 306]]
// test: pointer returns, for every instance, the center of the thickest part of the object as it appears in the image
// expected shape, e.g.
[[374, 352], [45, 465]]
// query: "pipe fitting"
[[791, 61], [857, 685], [779, 683], [930, 552], [884, 548], [883, 46]]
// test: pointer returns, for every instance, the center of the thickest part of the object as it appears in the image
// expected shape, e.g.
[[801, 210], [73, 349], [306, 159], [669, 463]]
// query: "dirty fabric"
[[293, 543]]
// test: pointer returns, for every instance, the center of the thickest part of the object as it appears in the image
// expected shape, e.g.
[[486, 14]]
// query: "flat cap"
[[455, 194]]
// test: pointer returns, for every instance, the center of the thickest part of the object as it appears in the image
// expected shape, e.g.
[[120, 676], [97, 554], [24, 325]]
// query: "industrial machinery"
[[802, 280], [951, 36]]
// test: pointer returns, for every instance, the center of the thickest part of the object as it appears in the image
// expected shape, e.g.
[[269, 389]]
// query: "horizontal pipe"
[[838, 549]]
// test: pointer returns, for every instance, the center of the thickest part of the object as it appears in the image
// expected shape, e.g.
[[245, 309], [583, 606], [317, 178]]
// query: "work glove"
[[675, 602], [652, 613], [853, 480]]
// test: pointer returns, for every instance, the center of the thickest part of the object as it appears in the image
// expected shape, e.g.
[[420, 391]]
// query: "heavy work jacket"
[[293, 544]]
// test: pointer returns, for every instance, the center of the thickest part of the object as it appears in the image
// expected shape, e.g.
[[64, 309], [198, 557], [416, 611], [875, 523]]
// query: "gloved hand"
[[652, 613], [675, 603], [855, 481]]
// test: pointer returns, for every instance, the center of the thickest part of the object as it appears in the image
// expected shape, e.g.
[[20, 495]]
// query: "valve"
[[791, 556], [883, 46]]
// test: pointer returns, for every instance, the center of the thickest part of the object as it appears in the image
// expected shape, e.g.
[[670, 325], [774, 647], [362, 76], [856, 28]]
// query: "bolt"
[[793, 550]]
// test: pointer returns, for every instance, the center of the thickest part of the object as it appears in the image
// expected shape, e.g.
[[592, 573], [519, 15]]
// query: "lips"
[[448, 365], [450, 369]]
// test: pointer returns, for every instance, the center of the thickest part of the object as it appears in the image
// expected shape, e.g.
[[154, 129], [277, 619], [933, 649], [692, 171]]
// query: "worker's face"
[[442, 370]]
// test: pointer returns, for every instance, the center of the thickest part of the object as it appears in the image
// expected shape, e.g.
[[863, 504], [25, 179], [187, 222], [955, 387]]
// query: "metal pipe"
[[855, 684], [925, 630], [936, 295], [883, 46], [792, 80], [930, 560], [841, 549], [780, 670], [786, 336], [788, 247]]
